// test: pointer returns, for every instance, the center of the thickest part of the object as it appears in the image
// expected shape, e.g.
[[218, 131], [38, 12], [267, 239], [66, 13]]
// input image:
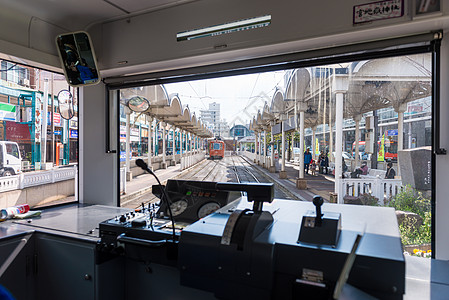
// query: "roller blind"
[[343, 53]]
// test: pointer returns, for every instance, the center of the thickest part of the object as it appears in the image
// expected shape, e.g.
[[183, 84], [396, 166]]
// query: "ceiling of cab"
[[80, 14]]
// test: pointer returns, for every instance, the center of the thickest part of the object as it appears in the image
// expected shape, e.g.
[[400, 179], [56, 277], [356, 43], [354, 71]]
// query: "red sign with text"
[[17, 132]]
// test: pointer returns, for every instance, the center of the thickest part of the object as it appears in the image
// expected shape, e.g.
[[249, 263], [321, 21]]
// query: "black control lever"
[[255, 192], [320, 228], [318, 201]]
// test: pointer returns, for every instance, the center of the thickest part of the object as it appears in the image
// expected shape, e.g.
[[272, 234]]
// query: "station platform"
[[318, 184]]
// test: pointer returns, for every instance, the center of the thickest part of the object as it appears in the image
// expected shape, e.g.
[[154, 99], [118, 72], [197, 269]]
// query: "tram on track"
[[216, 149]]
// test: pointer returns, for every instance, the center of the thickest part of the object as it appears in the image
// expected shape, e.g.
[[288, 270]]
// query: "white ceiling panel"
[[136, 6], [80, 14]]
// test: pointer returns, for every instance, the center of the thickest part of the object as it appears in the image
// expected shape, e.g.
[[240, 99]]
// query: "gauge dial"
[[207, 209], [178, 207]]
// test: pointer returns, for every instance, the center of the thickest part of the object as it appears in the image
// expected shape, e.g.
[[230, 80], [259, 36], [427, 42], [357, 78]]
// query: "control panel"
[[192, 200]]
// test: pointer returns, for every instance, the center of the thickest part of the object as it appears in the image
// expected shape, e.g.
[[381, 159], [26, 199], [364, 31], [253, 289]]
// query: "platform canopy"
[[377, 84], [372, 85], [167, 108]]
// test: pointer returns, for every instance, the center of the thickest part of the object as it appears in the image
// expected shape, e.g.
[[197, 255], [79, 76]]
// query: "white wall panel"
[[442, 161], [98, 170]]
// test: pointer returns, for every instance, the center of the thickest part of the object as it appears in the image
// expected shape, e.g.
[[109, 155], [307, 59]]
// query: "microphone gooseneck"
[[140, 163]]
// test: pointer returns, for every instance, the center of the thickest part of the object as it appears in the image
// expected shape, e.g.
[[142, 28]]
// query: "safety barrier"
[[378, 187], [252, 157], [190, 160], [25, 180]]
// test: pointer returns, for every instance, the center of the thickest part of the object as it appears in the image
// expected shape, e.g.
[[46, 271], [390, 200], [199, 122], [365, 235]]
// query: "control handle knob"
[[318, 201]]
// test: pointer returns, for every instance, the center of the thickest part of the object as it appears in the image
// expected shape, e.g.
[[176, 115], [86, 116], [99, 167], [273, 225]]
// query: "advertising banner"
[[381, 156], [38, 119]]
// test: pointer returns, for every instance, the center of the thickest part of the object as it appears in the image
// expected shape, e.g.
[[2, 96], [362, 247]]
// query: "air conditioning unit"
[[24, 82]]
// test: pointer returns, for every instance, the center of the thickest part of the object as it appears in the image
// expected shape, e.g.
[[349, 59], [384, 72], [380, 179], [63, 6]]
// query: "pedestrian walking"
[[307, 160]]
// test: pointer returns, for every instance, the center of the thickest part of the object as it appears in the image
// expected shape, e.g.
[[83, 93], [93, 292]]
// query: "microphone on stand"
[[143, 165]]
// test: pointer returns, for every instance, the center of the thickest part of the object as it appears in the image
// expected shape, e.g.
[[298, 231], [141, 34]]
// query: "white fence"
[[250, 155], [190, 160], [378, 187], [123, 180], [24, 180]]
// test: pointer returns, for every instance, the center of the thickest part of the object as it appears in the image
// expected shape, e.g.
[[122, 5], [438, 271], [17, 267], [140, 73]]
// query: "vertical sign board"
[[37, 119]]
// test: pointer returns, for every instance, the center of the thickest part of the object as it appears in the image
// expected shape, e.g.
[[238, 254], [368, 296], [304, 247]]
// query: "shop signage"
[[73, 133], [134, 131], [37, 119], [56, 119], [392, 132], [415, 108], [17, 132], [73, 122], [123, 155], [7, 112], [380, 10]]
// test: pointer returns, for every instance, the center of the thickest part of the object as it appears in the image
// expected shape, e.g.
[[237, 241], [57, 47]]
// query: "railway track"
[[242, 173], [229, 169]]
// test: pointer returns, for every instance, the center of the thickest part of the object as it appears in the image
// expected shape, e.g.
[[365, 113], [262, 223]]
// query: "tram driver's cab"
[[255, 246]]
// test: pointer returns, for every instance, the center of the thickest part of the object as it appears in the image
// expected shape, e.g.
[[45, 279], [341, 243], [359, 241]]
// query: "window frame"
[[409, 45]]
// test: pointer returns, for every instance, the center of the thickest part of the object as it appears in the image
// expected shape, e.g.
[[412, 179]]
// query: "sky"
[[240, 97]]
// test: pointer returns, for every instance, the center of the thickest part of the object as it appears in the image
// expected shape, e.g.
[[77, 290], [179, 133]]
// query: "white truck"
[[10, 158]]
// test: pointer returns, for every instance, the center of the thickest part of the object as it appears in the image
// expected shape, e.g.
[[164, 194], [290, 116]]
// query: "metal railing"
[[190, 160], [25, 180], [378, 187]]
